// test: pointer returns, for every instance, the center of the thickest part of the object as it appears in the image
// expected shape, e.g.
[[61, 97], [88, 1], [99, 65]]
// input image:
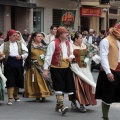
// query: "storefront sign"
[[90, 12], [68, 18]]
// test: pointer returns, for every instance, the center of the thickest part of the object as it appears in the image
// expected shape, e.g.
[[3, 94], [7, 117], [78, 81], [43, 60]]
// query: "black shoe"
[[17, 99], [43, 99], [37, 99], [74, 105], [64, 110], [82, 109]]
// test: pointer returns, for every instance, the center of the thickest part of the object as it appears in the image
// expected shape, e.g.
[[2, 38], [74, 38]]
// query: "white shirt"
[[14, 49], [51, 50], [49, 38], [104, 50], [90, 40], [84, 40]]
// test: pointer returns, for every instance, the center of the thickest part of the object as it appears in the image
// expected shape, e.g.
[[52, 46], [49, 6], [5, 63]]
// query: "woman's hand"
[[110, 77], [45, 73]]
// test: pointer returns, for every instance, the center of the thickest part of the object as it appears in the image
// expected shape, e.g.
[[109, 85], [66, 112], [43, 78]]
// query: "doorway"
[[101, 23], [85, 23], [13, 17]]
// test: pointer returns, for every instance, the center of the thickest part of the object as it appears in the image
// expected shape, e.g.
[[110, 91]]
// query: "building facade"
[[114, 12], [50, 11], [15, 14], [39, 15]]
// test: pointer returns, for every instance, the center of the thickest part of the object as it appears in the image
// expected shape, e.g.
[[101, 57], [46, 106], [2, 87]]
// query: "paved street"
[[29, 109]]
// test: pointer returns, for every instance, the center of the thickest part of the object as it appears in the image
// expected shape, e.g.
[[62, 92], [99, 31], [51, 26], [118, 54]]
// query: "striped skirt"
[[84, 93]]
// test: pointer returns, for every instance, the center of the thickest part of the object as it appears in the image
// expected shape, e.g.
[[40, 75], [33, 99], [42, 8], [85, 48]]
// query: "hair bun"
[[73, 35]]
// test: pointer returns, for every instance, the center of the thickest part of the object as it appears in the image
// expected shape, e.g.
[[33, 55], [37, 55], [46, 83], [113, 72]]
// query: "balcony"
[[90, 2], [94, 3], [115, 3]]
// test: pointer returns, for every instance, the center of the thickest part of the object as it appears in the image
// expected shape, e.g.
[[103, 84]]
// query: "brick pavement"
[[29, 109]]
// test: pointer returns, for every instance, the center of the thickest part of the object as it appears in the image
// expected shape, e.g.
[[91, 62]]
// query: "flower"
[[42, 57]]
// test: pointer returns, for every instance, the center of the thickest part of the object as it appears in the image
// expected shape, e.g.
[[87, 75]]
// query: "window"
[[113, 11], [38, 19], [57, 17], [104, 1]]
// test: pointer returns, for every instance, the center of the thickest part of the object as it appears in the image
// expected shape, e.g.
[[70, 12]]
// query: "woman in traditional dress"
[[20, 38], [35, 85], [83, 78]]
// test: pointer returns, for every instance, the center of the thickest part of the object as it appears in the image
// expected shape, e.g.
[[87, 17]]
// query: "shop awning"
[[17, 3]]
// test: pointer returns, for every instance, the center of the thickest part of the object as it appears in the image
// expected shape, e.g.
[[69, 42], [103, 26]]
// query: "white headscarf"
[[21, 40]]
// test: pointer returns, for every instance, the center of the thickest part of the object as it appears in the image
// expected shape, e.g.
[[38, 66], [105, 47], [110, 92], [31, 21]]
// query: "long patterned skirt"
[[84, 93], [37, 88], [84, 84]]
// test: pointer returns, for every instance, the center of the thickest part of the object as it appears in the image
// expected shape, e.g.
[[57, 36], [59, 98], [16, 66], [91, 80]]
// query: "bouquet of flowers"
[[92, 53]]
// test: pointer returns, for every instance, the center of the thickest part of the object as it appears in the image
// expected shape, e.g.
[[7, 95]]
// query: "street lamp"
[[107, 22]]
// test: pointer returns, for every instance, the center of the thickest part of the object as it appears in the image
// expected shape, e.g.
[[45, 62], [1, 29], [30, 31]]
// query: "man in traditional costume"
[[14, 52], [59, 55], [51, 35], [108, 84]]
